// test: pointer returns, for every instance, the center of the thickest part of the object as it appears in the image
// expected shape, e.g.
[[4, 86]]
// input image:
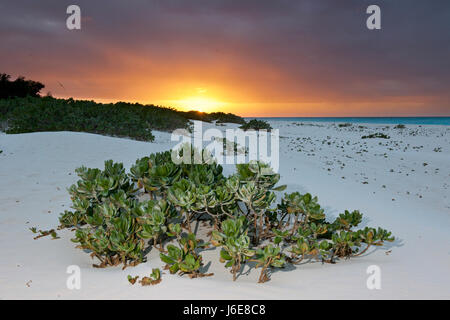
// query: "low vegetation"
[[153, 279], [121, 119], [119, 217], [255, 124], [376, 135], [219, 117], [23, 110]]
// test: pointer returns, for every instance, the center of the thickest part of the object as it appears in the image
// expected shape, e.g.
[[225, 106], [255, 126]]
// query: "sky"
[[253, 58]]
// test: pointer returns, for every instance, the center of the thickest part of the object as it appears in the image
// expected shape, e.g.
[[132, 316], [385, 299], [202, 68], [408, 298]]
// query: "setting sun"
[[202, 104]]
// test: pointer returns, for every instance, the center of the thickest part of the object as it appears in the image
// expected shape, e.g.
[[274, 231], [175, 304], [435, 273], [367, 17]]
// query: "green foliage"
[[96, 193], [153, 217], [305, 205], [342, 243], [234, 242], [260, 173], [44, 233], [219, 117], [132, 279], [184, 257], [232, 147], [376, 135], [348, 220], [31, 113], [255, 124], [269, 256], [119, 119], [372, 237], [120, 216], [108, 218], [154, 278], [155, 173]]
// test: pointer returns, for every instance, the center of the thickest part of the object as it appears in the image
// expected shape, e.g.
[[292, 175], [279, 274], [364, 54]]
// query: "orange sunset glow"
[[258, 58]]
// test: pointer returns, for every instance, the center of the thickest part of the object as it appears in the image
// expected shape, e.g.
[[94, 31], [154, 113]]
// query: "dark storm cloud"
[[278, 50]]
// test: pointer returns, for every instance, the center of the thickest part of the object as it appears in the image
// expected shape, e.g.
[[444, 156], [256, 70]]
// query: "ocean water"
[[378, 120]]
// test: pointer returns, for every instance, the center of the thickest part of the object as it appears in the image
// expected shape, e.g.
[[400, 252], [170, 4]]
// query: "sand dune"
[[401, 184]]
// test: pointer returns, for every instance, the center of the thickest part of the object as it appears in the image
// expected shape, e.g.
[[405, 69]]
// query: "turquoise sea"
[[379, 120]]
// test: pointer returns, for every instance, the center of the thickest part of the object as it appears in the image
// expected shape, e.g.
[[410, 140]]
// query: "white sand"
[[36, 169]]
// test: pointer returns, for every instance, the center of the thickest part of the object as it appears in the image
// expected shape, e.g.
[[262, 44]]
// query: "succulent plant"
[[204, 174], [94, 188], [182, 194], [280, 236], [105, 216], [44, 233], [132, 279], [155, 173], [266, 257], [176, 260], [300, 250], [343, 243], [113, 218], [373, 237], [347, 220], [183, 258], [256, 124], [260, 173], [257, 201], [153, 217], [154, 278], [234, 242]]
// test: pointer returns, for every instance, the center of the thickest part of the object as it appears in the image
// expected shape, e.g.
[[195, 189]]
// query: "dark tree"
[[19, 87]]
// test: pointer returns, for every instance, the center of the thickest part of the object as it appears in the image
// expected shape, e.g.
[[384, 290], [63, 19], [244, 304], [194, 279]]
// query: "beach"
[[401, 184]]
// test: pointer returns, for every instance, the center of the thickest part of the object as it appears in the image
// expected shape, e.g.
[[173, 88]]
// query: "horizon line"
[[311, 117]]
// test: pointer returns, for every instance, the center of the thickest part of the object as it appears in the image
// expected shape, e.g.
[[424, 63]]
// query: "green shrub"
[[113, 221], [121, 119], [269, 256], [154, 278], [108, 218], [235, 243], [376, 135], [256, 125], [219, 117], [184, 257]]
